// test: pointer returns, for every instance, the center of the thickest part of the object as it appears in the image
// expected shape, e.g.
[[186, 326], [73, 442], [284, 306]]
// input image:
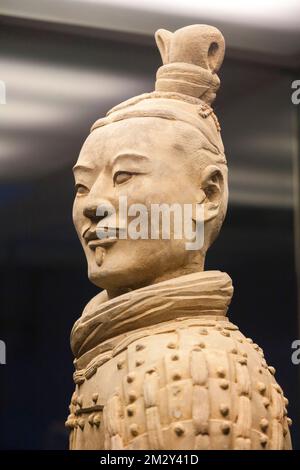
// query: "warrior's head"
[[162, 147]]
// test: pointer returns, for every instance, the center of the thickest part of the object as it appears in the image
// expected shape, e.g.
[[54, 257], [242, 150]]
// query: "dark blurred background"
[[64, 64]]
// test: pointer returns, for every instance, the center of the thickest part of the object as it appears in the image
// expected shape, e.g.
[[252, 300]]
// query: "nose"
[[96, 212], [97, 203]]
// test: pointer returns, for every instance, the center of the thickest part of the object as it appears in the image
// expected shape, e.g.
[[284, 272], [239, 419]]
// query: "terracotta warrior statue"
[[158, 365]]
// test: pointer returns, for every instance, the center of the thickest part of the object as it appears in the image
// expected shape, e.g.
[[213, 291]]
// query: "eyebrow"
[[131, 155], [81, 167]]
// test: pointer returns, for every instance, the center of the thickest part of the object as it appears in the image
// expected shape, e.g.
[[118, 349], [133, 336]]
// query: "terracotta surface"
[[158, 364]]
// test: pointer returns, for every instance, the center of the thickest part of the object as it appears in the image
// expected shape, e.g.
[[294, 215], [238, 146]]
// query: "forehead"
[[148, 136]]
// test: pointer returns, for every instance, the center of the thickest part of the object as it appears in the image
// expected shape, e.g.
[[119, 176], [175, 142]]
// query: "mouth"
[[102, 237], [105, 242]]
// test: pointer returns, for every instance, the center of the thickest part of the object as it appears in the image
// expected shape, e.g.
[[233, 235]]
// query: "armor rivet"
[[243, 361], [179, 430], [220, 372], [139, 347], [73, 423], [272, 370], [176, 376], [250, 340], [130, 410], [289, 421], [132, 396], [264, 423], [263, 440], [70, 421], [134, 429], [175, 357], [224, 384], [234, 351], [224, 409], [286, 402], [130, 377], [278, 388], [95, 397], [91, 419], [81, 423], [139, 363], [171, 345], [225, 427], [202, 345], [74, 399], [266, 402], [261, 387], [97, 420]]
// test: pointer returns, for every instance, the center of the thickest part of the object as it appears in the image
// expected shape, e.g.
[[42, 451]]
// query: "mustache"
[[97, 233]]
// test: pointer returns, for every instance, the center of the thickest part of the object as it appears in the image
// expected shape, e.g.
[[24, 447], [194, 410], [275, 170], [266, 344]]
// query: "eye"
[[122, 176], [81, 189]]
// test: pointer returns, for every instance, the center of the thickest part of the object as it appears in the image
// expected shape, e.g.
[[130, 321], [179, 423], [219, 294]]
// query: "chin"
[[108, 277], [102, 276], [125, 275], [126, 267]]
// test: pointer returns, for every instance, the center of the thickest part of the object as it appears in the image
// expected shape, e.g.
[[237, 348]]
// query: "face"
[[141, 160]]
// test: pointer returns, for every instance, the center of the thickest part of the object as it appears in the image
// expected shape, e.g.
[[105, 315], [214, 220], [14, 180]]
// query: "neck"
[[193, 267], [195, 295]]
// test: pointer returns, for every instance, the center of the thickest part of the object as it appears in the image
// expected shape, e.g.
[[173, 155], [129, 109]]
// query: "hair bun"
[[191, 58]]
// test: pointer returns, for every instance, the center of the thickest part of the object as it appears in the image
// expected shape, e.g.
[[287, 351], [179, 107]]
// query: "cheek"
[[168, 188], [75, 212], [153, 191], [158, 253], [77, 215]]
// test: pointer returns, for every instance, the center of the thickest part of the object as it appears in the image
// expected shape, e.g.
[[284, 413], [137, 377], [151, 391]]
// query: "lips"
[[103, 236], [107, 242]]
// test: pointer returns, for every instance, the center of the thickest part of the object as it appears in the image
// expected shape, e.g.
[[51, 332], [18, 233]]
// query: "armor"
[[193, 381]]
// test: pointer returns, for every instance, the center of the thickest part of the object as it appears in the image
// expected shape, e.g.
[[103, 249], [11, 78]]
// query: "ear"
[[212, 185]]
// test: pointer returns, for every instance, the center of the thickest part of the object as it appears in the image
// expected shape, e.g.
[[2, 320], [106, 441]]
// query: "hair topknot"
[[191, 57]]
